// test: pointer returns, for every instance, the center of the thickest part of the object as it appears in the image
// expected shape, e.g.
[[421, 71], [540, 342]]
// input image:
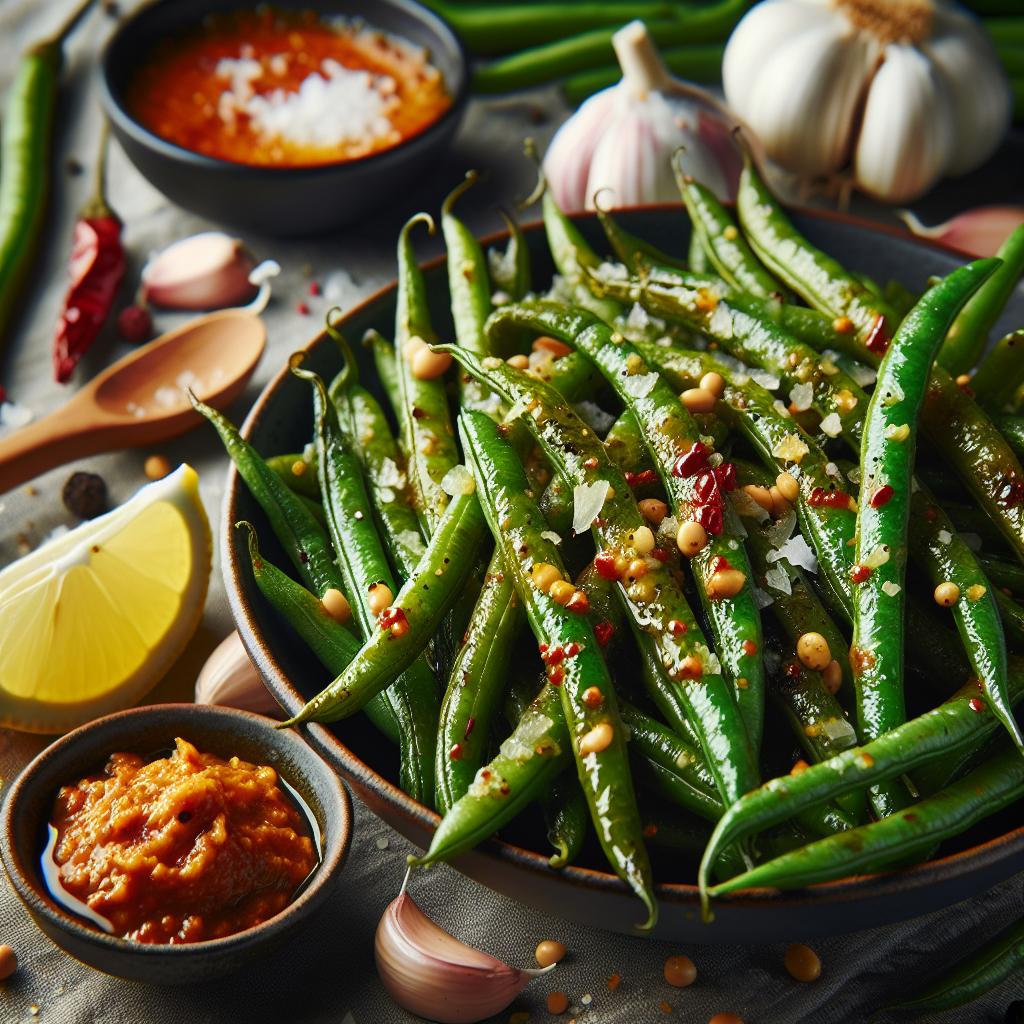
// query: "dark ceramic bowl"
[[516, 864], [224, 731], [285, 201]]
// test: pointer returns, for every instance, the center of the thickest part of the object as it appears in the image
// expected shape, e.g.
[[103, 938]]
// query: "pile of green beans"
[[677, 600]]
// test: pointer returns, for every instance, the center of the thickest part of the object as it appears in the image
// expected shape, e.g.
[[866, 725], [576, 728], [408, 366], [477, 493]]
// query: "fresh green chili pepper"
[[695, 488], [727, 250], [26, 151], [428, 437], [994, 785], [812, 274], [959, 724], [300, 534], [653, 600], [364, 566], [404, 627], [965, 340], [575, 665], [1000, 372], [994, 962], [333, 645], [887, 455]]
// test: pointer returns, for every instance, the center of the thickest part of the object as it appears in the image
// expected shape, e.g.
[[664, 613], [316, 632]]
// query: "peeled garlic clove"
[[568, 157], [907, 133], [206, 271], [230, 679], [432, 974], [979, 232]]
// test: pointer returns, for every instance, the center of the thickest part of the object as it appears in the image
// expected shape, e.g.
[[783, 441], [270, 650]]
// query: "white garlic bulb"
[[432, 974], [904, 91], [229, 678], [205, 271], [622, 138]]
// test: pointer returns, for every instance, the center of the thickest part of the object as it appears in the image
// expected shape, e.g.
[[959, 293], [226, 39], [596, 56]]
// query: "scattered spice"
[[549, 952], [8, 962], [85, 495], [156, 467], [802, 962], [558, 1002], [680, 971], [135, 324]]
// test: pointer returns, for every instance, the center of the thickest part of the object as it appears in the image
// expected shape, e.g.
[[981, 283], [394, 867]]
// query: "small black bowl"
[[280, 201], [222, 731]]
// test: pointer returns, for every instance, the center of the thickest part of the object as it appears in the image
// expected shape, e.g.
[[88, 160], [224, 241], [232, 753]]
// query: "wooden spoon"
[[141, 399]]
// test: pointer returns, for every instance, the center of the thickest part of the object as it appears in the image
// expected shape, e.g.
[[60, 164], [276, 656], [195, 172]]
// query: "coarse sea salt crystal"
[[14, 415]]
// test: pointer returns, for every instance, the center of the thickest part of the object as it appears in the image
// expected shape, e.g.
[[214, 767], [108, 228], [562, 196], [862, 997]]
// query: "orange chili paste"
[[286, 89], [182, 848]]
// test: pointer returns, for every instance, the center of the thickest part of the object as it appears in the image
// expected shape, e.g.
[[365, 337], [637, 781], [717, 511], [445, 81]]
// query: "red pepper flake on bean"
[[882, 496], [976, 704], [878, 339], [693, 462], [860, 573], [603, 633], [394, 619], [646, 476]]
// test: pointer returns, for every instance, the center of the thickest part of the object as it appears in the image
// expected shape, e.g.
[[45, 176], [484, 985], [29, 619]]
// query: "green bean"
[[510, 270], [965, 340], [332, 644], [1000, 372], [300, 534], [994, 785], [303, 482], [565, 810], [1007, 575], [383, 352], [1012, 428]]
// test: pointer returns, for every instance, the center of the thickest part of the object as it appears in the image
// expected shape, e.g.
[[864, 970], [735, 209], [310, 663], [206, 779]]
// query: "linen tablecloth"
[[328, 974]]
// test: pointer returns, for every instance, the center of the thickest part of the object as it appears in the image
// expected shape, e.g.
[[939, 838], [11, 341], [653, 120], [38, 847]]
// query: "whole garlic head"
[[904, 91]]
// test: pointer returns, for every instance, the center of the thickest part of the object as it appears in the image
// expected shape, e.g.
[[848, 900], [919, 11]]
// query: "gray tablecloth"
[[329, 974]]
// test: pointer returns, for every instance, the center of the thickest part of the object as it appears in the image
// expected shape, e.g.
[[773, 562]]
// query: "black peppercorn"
[[85, 495]]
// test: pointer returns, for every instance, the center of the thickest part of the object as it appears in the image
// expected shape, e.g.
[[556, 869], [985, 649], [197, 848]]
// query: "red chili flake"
[[314, 288], [725, 474], [135, 324], [833, 499], [693, 462], [556, 675], [542, 647], [931, 513], [792, 669], [469, 728], [456, 752], [882, 496], [593, 697], [572, 649], [646, 476], [649, 830], [878, 339], [720, 563], [553, 655], [660, 554], [604, 563], [3, 394], [677, 628], [578, 603], [711, 518], [1009, 491], [976, 704], [394, 619], [302, 309], [591, 463], [749, 648], [859, 573], [706, 486], [603, 632]]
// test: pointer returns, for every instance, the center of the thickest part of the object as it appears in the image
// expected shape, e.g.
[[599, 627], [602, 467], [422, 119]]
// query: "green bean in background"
[[1000, 372]]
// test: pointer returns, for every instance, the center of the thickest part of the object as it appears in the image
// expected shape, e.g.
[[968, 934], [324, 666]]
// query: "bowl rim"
[[126, 123], [680, 894], [312, 896]]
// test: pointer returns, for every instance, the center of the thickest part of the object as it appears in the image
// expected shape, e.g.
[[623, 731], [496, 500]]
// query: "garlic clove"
[[976, 82], [229, 678], [205, 271], [807, 95], [568, 157], [430, 973], [906, 137], [979, 232]]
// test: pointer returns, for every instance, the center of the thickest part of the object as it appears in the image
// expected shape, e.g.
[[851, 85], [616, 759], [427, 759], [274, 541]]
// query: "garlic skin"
[[433, 975], [205, 271], [978, 232], [902, 91], [622, 139], [229, 678]]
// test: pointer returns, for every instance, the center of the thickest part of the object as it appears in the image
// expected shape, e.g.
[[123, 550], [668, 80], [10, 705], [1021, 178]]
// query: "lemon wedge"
[[90, 622]]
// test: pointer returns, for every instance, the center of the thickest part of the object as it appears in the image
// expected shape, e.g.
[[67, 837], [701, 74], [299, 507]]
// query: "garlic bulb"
[[980, 231], [622, 138], [206, 271], [903, 91], [430, 973], [229, 678]]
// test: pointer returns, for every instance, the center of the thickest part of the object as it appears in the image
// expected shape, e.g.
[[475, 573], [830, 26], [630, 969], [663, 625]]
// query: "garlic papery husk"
[[205, 271], [622, 138], [432, 974], [229, 678], [978, 232], [893, 94]]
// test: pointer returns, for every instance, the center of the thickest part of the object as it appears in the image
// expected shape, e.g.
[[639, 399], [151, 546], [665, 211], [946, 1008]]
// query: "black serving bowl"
[[280, 201], [226, 732], [516, 863]]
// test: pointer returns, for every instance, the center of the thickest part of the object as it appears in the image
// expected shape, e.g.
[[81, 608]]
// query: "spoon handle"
[[54, 440]]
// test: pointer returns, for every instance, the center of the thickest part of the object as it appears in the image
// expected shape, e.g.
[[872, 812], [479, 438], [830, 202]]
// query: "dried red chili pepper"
[[96, 268]]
